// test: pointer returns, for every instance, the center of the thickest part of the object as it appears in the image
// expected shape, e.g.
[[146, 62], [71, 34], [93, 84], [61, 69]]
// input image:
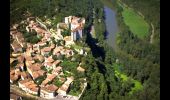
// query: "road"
[[152, 35], [15, 89]]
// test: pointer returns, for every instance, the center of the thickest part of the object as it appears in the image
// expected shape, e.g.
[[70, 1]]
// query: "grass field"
[[136, 23]]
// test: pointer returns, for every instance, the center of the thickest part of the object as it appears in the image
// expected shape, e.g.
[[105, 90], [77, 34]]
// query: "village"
[[44, 69]]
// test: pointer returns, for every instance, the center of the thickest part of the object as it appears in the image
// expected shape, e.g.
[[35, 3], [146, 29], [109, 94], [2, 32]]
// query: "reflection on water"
[[111, 26]]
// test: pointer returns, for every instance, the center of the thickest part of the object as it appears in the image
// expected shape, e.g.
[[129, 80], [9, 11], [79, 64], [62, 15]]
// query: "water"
[[111, 26]]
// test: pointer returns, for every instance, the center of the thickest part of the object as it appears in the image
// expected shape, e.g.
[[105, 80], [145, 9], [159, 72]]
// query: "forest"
[[134, 57]]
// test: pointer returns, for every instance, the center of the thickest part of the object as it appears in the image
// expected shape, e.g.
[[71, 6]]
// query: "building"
[[48, 63], [65, 87], [68, 19], [25, 75], [80, 69], [45, 51], [16, 47], [63, 90], [29, 61], [49, 78], [77, 27], [68, 40], [39, 57], [35, 71], [15, 97], [21, 59], [29, 86], [56, 63], [13, 76], [57, 70], [76, 24], [41, 43], [48, 91], [20, 66]]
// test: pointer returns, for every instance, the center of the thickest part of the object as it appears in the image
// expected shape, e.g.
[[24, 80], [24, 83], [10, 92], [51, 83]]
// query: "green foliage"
[[40, 79], [43, 68], [31, 37], [57, 82], [66, 33], [139, 59], [75, 88], [54, 57], [69, 66], [49, 71]]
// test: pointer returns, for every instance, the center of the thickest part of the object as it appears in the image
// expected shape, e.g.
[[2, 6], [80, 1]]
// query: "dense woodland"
[[137, 57]]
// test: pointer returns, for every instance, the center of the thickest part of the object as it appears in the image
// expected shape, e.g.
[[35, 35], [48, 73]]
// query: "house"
[[68, 19], [63, 90], [56, 50], [14, 54], [41, 43], [29, 50], [48, 65], [62, 26], [67, 52], [68, 41], [69, 80], [35, 70], [57, 70], [34, 67], [48, 91], [21, 59], [49, 78], [81, 52], [20, 66], [24, 75], [29, 61], [15, 96], [35, 75], [36, 48], [29, 86], [45, 82], [80, 69], [65, 87], [56, 63], [12, 60], [49, 59], [39, 57], [47, 37], [16, 47], [18, 73], [13, 76], [76, 27], [45, 51], [20, 39], [62, 79], [15, 26], [52, 46]]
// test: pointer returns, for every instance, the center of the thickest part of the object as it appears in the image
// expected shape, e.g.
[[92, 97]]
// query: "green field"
[[136, 23], [138, 85]]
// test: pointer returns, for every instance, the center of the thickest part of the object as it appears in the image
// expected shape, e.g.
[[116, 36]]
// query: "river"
[[111, 26]]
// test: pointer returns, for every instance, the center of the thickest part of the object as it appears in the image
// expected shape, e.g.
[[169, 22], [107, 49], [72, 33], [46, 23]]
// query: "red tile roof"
[[50, 88]]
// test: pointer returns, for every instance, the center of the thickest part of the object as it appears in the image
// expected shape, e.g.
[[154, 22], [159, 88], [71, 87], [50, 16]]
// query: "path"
[[152, 35]]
